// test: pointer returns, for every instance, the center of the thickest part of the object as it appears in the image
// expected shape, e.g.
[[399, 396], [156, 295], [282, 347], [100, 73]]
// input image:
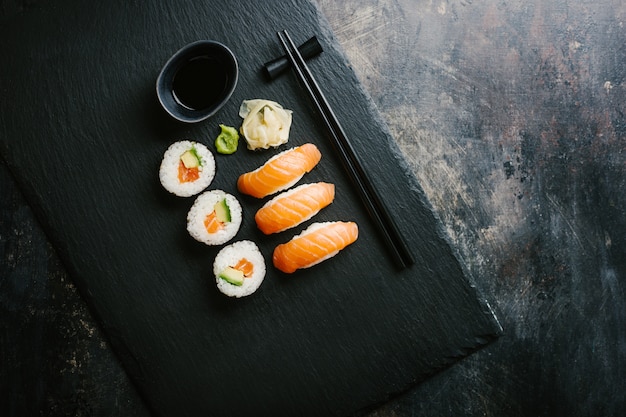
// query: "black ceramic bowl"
[[197, 81]]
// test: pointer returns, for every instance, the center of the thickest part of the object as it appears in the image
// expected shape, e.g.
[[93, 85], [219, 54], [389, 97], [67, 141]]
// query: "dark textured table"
[[512, 116]]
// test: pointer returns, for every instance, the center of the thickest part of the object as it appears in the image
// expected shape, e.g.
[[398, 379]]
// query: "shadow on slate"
[[83, 135]]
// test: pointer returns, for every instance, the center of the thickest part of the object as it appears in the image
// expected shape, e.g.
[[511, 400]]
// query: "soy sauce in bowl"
[[197, 81]]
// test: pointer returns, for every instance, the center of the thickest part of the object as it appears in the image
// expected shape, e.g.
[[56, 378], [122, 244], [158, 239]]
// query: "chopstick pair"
[[369, 196]]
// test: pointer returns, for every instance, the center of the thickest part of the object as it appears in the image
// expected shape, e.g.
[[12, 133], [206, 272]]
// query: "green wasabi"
[[227, 141]]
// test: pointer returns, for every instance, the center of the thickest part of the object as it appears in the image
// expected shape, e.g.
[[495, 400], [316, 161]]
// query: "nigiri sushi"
[[318, 242], [280, 172], [294, 207]]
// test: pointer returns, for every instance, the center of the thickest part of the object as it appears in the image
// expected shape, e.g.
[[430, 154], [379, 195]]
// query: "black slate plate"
[[83, 135]]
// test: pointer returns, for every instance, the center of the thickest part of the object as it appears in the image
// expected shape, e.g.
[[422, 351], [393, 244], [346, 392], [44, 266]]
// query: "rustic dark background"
[[512, 116]]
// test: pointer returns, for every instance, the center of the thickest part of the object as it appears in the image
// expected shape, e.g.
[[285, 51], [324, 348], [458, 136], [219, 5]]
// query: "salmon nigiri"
[[318, 242], [280, 172], [293, 207]]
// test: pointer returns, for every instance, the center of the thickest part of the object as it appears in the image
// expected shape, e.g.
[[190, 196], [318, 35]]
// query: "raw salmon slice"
[[211, 223], [280, 172], [318, 242], [294, 207]]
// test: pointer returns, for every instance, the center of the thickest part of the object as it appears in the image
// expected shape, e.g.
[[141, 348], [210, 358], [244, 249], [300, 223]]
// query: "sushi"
[[294, 207], [317, 243], [187, 168], [214, 218], [280, 172], [239, 269]]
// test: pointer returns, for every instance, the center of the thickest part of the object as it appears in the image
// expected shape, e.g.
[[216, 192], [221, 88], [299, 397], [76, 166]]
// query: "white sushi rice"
[[229, 256], [205, 205], [168, 172]]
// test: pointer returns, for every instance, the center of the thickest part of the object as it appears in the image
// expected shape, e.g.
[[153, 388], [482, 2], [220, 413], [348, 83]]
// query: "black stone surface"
[[511, 115], [85, 154]]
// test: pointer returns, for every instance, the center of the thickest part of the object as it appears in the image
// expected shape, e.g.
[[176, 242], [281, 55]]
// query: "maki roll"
[[214, 218], [239, 269], [187, 168]]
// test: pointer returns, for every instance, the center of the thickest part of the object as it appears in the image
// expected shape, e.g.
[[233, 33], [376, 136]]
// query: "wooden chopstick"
[[369, 195]]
